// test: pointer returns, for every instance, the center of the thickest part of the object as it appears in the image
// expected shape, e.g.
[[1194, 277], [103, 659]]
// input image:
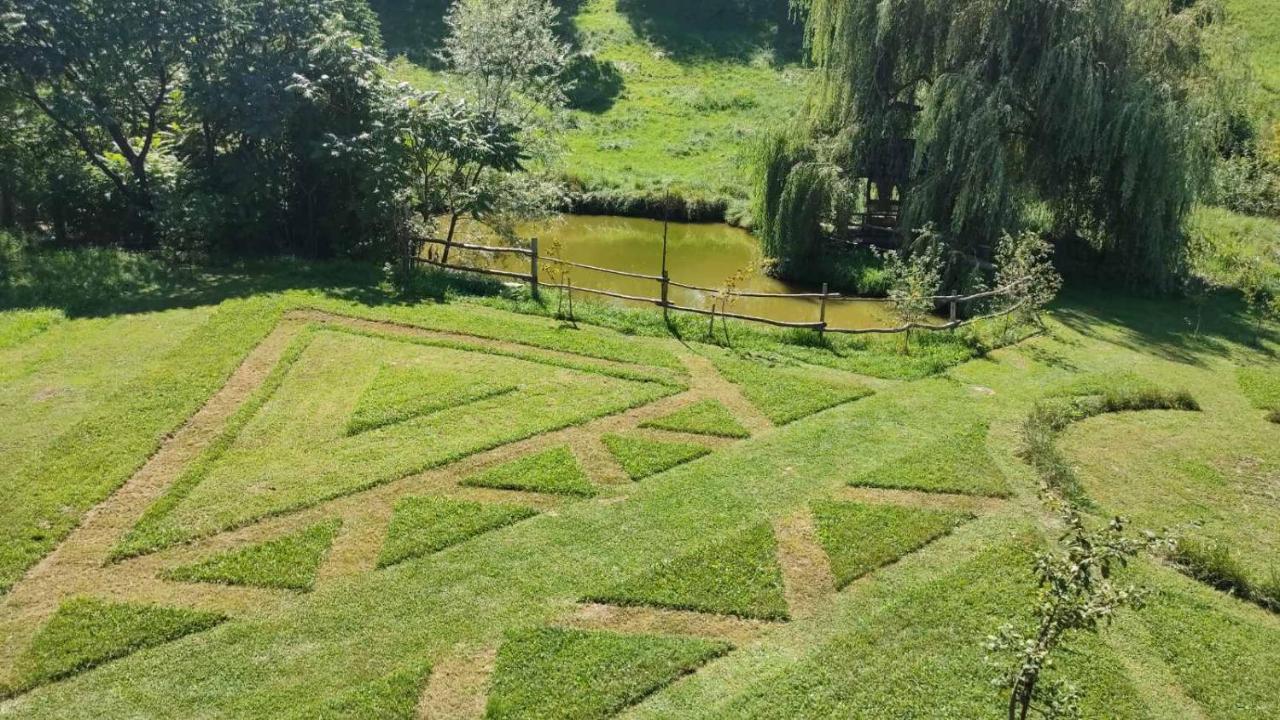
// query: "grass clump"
[[424, 525], [737, 575], [555, 471], [859, 538], [642, 458], [580, 675], [403, 393], [287, 563], [85, 633], [955, 464], [786, 394], [1212, 563], [707, 417]]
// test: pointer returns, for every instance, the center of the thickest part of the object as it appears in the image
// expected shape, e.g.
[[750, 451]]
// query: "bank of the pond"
[[709, 255]]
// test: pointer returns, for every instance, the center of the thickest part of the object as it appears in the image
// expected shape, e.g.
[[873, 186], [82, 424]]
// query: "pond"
[[706, 255]]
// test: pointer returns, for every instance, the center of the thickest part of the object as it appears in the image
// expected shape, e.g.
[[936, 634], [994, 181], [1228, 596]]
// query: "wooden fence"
[[665, 283]]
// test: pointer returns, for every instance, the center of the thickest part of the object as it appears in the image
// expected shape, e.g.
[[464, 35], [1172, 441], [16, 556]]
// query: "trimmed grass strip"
[[737, 575], [287, 563], [151, 533], [860, 538], [85, 633], [642, 458], [555, 471], [403, 393], [786, 394], [708, 417], [424, 525], [564, 674], [959, 463], [391, 697]]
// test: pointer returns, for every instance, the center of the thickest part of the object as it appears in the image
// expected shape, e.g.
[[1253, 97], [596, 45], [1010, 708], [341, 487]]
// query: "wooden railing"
[[953, 302]]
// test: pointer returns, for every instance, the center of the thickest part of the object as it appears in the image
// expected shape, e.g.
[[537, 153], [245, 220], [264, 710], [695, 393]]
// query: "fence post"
[[953, 313], [533, 269], [822, 312]]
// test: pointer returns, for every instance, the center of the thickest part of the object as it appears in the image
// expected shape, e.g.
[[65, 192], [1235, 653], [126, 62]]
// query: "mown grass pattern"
[[86, 632], [1213, 563], [959, 463], [391, 697], [786, 394], [706, 417], [736, 575], [859, 538], [400, 393], [642, 457], [555, 471], [424, 525], [286, 563], [563, 674]]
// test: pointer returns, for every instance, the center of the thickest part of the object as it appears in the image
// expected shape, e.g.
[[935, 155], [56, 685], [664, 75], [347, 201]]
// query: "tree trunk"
[[448, 240]]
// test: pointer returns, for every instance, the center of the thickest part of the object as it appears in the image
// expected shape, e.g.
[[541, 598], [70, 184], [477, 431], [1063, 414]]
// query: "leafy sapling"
[[914, 281]]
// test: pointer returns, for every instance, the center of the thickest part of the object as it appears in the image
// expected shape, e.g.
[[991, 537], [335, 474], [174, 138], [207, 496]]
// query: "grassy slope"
[[1257, 19], [686, 113], [355, 633]]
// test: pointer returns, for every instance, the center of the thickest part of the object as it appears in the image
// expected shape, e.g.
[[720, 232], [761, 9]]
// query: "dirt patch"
[[458, 687], [806, 573]]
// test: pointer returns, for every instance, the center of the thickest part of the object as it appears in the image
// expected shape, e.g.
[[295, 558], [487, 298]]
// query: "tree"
[[1025, 272], [1077, 593], [914, 281], [106, 73], [1107, 113]]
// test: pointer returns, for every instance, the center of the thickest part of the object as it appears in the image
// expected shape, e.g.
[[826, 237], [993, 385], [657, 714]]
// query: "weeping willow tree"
[[1104, 112]]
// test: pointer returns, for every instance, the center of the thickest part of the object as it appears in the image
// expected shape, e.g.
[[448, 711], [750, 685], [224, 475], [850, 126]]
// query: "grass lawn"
[[708, 417], [641, 457], [716, 536]]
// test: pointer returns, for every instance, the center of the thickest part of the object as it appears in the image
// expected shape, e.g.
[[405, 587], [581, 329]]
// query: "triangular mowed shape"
[[85, 633], [737, 575], [707, 417], [424, 525], [859, 538], [555, 471], [958, 463], [641, 457], [391, 697], [399, 393], [287, 563], [786, 394], [586, 675]]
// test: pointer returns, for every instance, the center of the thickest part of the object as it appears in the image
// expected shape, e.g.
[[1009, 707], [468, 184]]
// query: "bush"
[[1247, 183]]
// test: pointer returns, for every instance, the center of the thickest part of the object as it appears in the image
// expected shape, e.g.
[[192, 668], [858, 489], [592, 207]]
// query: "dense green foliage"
[[1057, 105], [289, 562]]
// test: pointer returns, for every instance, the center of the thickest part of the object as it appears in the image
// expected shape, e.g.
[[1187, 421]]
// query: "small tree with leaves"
[[1025, 272], [914, 281], [1078, 593]]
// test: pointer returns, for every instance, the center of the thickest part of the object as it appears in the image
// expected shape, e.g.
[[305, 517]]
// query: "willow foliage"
[[1105, 111]]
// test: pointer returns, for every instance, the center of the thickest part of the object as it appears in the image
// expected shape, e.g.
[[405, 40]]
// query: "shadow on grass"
[[717, 29], [1172, 329]]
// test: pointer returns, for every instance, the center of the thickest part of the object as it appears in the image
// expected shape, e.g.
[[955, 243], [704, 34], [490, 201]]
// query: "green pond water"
[[707, 255]]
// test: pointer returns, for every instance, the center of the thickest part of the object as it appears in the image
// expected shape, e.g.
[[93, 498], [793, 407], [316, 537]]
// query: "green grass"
[[398, 394], [392, 697], [859, 538], [1233, 241], [18, 326], [85, 633], [955, 463], [424, 525], [1256, 19], [641, 457], [786, 394], [555, 471], [579, 675], [287, 563], [292, 450], [706, 417], [1261, 385], [735, 575]]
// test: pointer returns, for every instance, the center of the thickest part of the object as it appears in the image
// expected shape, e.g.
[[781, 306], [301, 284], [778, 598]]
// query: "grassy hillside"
[[1259, 20], [685, 104]]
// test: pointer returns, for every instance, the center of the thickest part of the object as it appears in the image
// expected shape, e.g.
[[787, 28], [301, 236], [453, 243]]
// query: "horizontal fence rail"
[[665, 282]]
